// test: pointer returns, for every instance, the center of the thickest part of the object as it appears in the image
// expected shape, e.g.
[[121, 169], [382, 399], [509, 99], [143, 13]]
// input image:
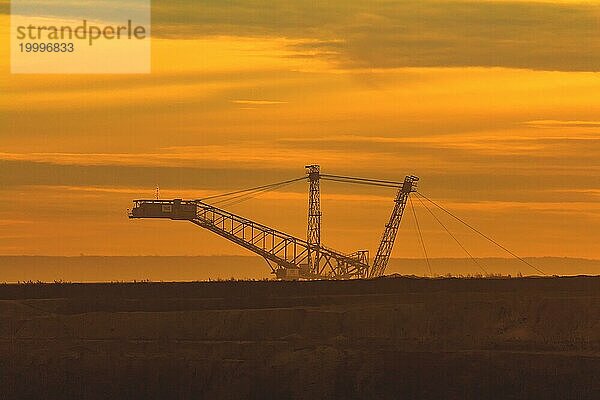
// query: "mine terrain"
[[386, 338]]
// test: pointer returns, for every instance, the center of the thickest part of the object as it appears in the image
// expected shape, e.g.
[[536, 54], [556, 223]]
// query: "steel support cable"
[[412, 207], [251, 189], [481, 234], [326, 178], [245, 194], [353, 178], [452, 236], [238, 199], [229, 202]]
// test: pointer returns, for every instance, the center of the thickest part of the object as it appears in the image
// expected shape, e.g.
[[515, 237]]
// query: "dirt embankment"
[[521, 338]]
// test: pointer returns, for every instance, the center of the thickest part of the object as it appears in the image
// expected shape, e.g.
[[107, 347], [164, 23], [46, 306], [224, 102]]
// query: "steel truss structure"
[[289, 257], [313, 235]]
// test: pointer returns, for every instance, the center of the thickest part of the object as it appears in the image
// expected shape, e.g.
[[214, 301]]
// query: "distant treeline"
[[193, 268]]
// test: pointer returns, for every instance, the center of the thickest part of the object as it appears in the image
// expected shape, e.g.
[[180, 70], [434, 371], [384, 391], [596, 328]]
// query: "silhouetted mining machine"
[[290, 257]]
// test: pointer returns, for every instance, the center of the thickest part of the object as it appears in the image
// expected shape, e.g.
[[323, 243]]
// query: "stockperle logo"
[[98, 36]]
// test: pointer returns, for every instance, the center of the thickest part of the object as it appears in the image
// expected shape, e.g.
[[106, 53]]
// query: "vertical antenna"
[[157, 192]]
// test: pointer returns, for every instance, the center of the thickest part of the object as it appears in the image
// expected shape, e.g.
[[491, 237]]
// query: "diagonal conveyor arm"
[[284, 251]]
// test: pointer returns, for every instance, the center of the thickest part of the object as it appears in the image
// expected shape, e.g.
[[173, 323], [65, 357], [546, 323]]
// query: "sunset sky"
[[495, 105]]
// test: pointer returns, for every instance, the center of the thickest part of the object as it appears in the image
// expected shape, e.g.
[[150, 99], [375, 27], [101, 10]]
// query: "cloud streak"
[[390, 34], [561, 36], [563, 124], [258, 102]]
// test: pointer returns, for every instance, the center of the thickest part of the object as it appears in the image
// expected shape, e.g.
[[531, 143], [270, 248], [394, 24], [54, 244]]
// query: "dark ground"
[[529, 338]]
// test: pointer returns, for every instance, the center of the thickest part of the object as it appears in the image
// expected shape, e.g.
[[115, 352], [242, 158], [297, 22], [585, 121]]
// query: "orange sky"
[[495, 105]]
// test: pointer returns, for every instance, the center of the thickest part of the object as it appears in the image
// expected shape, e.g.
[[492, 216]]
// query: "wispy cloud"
[[539, 35], [496, 143], [258, 102], [518, 34], [549, 206], [9, 222], [562, 124]]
